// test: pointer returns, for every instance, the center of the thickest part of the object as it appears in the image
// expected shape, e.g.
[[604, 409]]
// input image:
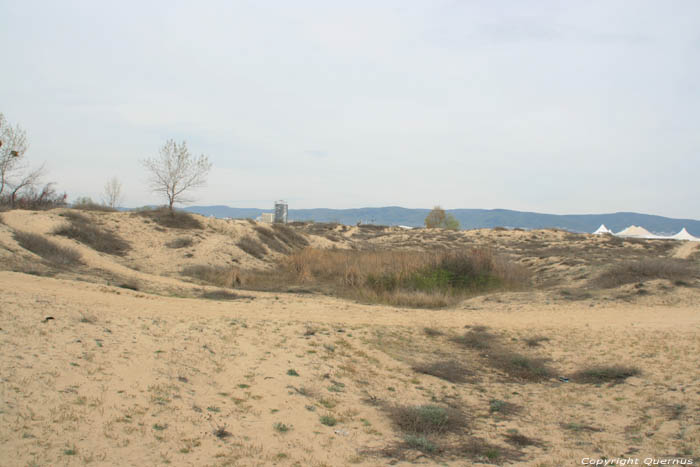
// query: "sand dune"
[[156, 376]]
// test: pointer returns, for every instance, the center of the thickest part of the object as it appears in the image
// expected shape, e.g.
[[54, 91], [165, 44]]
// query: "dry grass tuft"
[[174, 220], [268, 237], [221, 276], [427, 419], [180, 242], [449, 370], [646, 269], [83, 230], [401, 278], [50, 251], [289, 236], [252, 246]]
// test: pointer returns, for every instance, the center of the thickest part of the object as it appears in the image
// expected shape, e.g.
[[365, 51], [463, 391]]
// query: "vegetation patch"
[[402, 278], [47, 249], [500, 357], [171, 219], [641, 270], [449, 370], [180, 242], [221, 276], [83, 230], [605, 374], [252, 246], [427, 419], [223, 295], [289, 236], [268, 237]]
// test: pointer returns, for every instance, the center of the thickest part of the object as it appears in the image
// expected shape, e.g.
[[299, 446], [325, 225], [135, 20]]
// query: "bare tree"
[[26, 182], [112, 195], [175, 171], [13, 145]]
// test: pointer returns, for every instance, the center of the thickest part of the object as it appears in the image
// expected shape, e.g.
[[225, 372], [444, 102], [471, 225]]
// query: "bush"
[[82, 230], [50, 251], [221, 276], [646, 269], [427, 419], [252, 246], [171, 219]]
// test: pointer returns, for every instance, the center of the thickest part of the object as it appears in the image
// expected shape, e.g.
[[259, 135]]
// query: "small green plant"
[[71, 451], [282, 427], [159, 427], [328, 420], [292, 372]]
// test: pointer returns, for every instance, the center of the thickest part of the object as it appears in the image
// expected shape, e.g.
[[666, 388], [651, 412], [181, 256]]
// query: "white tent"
[[602, 230], [635, 231], [684, 235]]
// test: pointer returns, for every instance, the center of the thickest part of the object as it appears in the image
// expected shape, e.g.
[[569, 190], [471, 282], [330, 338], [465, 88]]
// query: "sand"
[[122, 377]]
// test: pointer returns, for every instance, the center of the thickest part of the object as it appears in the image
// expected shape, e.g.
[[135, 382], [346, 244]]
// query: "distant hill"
[[470, 218]]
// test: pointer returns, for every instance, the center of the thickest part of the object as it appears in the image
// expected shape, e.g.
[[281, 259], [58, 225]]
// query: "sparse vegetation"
[[84, 230], [223, 295], [87, 204], [171, 219], [328, 420], [252, 246], [449, 370], [405, 278], [427, 419], [180, 242], [605, 374], [221, 276], [268, 238], [499, 356], [645, 269], [47, 249]]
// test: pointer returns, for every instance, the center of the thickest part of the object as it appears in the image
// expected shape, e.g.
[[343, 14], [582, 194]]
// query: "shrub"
[[81, 229], [252, 246], [221, 276], [172, 219], [646, 269], [427, 419], [50, 251]]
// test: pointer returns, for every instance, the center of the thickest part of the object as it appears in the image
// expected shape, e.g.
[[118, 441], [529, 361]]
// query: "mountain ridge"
[[470, 218]]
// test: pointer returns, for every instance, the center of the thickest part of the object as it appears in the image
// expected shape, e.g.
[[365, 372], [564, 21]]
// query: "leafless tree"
[[13, 145], [175, 171], [27, 181], [112, 194]]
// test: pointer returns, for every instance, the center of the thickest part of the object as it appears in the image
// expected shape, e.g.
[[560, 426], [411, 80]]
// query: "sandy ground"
[[121, 377]]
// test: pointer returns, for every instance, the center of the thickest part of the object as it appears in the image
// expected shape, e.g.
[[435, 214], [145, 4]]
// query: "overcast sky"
[[559, 107]]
